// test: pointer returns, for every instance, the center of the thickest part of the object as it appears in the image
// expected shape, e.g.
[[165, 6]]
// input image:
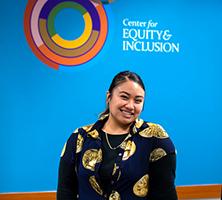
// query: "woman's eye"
[[124, 97], [138, 100]]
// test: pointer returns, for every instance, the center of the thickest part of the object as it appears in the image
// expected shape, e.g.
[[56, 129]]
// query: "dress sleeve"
[[162, 177], [162, 167], [67, 188]]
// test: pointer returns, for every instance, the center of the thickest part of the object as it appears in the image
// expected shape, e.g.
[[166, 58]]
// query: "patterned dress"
[[143, 168]]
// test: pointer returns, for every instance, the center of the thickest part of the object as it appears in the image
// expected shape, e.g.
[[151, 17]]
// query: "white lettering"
[[161, 47], [127, 22], [151, 24]]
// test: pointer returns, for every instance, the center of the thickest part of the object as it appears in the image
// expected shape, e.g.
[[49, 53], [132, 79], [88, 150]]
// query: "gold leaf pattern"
[[156, 154], [76, 131], [63, 150], [140, 189], [154, 130], [94, 134], [147, 132], [103, 116], [91, 157], [114, 195], [87, 128], [139, 123], [95, 185], [79, 143], [158, 131], [129, 149], [134, 130]]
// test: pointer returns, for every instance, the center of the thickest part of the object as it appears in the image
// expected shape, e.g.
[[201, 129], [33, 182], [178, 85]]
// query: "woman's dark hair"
[[122, 77]]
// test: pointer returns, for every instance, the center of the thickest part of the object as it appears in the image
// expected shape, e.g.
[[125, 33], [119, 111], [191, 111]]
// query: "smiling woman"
[[119, 157], [124, 101]]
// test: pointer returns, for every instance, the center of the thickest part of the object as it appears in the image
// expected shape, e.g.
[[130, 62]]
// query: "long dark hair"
[[122, 77]]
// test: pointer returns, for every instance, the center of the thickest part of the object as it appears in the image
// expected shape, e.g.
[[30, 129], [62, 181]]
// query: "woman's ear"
[[108, 97]]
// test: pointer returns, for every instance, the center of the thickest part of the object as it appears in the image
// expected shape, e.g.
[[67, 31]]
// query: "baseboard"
[[199, 191], [28, 196], [184, 192]]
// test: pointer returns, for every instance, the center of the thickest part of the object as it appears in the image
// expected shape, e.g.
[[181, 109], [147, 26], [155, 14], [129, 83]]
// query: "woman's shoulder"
[[162, 145], [86, 130], [83, 129], [150, 129]]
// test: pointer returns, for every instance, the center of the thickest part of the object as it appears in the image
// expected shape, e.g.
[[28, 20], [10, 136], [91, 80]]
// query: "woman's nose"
[[130, 104]]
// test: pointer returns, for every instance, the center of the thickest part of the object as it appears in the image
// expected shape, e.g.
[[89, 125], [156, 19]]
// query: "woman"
[[119, 157]]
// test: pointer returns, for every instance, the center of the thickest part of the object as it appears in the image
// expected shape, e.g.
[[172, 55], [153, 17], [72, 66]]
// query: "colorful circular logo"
[[49, 46]]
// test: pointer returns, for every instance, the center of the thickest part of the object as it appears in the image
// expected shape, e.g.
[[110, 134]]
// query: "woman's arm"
[[162, 177], [67, 180]]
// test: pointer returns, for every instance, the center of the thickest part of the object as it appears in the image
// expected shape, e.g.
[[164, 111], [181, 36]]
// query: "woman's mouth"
[[127, 113]]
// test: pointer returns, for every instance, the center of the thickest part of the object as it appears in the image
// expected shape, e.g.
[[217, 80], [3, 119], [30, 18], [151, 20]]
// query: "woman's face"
[[125, 102]]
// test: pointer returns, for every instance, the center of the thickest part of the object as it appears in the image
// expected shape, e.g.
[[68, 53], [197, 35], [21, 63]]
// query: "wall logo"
[[49, 46], [145, 36]]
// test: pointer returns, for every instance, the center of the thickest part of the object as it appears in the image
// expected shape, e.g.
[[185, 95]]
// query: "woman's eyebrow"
[[138, 96], [124, 92]]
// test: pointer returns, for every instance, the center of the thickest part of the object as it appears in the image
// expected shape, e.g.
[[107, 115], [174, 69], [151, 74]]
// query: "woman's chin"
[[127, 120]]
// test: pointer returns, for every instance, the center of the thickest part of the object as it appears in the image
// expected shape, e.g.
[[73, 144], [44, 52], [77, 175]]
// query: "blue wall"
[[40, 106]]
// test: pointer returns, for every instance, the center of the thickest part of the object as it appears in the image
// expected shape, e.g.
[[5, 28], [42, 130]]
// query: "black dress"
[[142, 168]]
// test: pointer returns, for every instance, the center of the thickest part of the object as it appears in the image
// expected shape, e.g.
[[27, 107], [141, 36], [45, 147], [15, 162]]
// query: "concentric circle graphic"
[[49, 46]]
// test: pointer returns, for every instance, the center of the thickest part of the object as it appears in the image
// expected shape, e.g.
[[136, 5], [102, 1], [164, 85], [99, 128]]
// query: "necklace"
[[110, 146]]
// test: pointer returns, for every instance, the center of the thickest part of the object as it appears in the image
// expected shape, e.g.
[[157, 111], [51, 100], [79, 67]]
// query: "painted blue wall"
[[40, 106]]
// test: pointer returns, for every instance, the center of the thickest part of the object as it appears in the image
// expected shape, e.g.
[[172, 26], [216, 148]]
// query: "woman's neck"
[[113, 127]]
